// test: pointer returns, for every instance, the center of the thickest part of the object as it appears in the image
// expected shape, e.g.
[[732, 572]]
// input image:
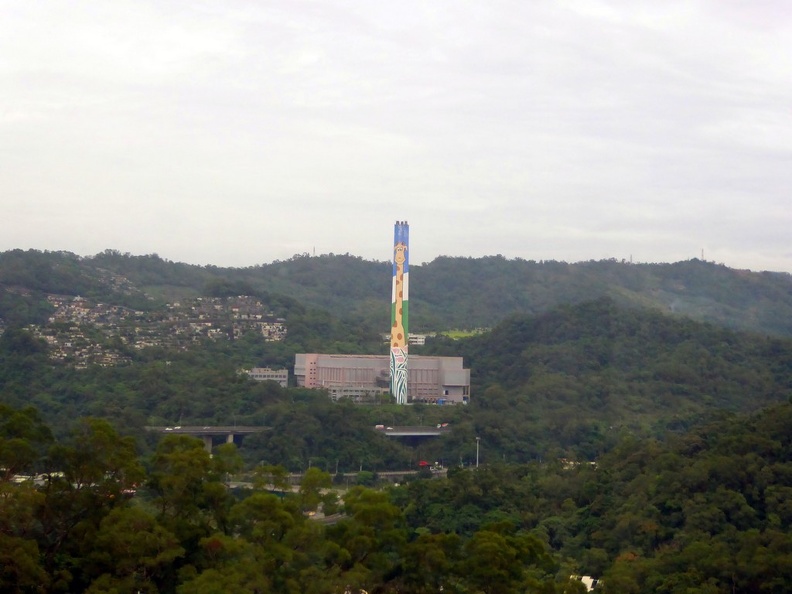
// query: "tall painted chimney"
[[400, 312]]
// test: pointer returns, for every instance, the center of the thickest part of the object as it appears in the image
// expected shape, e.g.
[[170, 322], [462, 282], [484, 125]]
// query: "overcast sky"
[[240, 132]]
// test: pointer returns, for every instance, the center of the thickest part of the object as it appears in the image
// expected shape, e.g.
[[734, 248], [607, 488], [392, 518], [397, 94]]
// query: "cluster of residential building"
[[81, 332], [230, 316]]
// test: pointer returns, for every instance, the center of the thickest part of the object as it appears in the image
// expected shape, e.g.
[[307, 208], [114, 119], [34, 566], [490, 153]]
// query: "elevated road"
[[208, 432], [413, 431], [200, 431], [230, 432]]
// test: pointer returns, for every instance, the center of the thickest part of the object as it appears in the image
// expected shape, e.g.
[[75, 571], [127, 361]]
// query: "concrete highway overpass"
[[209, 432], [413, 431]]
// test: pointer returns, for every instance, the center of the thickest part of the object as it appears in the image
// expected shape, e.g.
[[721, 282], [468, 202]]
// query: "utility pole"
[[478, 441]]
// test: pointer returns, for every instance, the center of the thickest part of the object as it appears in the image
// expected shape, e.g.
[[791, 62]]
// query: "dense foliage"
[[707, 511], [83, 514], [445, 293], [573, 381]]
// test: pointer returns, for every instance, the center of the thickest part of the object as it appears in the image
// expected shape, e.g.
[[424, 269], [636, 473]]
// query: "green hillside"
[[470, 293], [466, 292], [571, 382], [446, 293], [576, 379], [707, 510]]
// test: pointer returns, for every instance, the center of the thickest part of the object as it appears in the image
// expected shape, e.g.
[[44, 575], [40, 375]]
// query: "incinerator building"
[[436, 380]]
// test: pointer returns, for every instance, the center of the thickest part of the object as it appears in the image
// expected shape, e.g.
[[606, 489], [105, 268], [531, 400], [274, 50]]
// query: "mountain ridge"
[[446, 293]]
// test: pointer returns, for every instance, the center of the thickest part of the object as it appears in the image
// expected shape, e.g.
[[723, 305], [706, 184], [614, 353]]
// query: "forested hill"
[[444, 294], [466, 292], [581, 375]]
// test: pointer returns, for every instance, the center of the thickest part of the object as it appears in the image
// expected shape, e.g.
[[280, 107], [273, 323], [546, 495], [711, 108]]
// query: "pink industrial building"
[[436, 380]]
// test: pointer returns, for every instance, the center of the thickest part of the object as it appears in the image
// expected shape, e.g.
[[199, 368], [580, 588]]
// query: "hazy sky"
[[240, 132]]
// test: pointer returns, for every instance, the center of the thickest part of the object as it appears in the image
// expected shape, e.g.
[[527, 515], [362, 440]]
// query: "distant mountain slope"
[[445, 293], [729, 369], [575, 371], [467, 292], [478, 292], [26, 277]]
